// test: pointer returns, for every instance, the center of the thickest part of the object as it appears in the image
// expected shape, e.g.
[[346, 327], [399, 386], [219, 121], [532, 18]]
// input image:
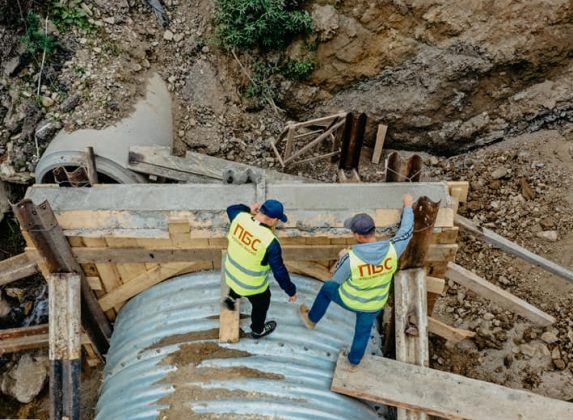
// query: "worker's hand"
[[408, 200], [293, 298], [255, 208]]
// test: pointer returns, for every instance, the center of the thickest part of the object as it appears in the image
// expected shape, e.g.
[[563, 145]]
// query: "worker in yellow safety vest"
[[362, 278], [253, 251]]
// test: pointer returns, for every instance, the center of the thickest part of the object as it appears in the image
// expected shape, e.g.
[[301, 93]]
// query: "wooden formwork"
[[120, 263]]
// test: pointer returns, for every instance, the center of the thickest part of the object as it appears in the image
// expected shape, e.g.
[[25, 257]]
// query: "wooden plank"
[[64, 300], [459, 190], [445, 235], [496, 294], [144, 281], [435, 285], [91, 166], [229, 331], [443, 252], [443, 394], [512, 248], [411, 325], [102, 255], [310, 269], [455, 335], [410, 307], [16, 268], [379, 145], [14, 340], [45, 234]]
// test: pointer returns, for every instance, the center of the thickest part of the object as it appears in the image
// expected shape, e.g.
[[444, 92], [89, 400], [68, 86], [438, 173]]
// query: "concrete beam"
[[314, 208]]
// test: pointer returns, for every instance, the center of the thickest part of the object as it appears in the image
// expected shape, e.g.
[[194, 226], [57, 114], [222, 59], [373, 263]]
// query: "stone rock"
[[548, 235], [4, 200], [26, 379], [168, 35], [46, 130], [499, 173], [12, 66], [560, 364], [70, 103], [549, 337], [527, 349], [47, 102], [488, 316], [325, 21]]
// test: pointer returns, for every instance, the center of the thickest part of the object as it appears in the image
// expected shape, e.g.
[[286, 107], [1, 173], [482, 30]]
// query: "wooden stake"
[[228, 320], [380, 136], [65, 345], [91, 166]]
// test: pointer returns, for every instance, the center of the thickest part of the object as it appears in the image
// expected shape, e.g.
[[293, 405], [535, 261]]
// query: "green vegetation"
[[36, 40], [68, 14], [261, 86], [270, 24], [298, 69]]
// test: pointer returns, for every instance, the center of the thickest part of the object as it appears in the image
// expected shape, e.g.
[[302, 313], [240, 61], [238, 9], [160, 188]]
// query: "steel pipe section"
[[149, 124], [293, 366]]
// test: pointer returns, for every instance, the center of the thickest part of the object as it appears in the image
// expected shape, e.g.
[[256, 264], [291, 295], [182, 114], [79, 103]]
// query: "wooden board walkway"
[[440, 393]]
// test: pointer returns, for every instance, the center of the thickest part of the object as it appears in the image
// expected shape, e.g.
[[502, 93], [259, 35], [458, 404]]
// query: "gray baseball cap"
[[360, 223]]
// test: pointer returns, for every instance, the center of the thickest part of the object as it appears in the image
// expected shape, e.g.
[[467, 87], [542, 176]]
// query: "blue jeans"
[[364, 320]]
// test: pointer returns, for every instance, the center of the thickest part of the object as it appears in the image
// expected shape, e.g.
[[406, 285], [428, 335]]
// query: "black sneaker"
[[229, 303], [269, 328]]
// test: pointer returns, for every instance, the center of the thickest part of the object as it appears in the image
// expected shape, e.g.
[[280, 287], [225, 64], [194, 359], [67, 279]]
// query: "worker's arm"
[[235, 209], [406, 230], [342, 272], [280, 272]]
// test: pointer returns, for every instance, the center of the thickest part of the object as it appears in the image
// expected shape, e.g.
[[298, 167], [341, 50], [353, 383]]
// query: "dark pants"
[[260, 304]]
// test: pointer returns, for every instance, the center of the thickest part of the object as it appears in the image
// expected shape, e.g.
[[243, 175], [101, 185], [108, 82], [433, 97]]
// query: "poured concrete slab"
[[144, 210]]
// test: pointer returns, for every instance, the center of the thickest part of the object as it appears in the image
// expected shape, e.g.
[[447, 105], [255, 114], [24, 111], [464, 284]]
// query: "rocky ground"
[[446, 76]]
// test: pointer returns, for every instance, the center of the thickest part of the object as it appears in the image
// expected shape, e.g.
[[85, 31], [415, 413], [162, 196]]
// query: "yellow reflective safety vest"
[[368, 286], [248, 243]]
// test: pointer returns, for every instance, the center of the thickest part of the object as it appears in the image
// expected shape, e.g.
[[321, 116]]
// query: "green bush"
[[298, 69], [34, 39], [67, 14], [267, 23], [261, 86]]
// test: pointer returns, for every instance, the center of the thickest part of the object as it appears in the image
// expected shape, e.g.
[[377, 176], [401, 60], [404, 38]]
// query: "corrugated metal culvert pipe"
[[165, 360]]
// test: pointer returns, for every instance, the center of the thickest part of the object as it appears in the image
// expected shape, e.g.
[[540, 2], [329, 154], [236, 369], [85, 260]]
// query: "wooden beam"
[[411, 325], [91, 166], [310, 269], [512, 248], [443, 394], [455, 335], [229, 331], [13, 340], [435, 285], [64, 299], [416, 254], [379, 145], [459, 190], [42, 231], [16, 268], [101, 255], [147, 279], [497, 295]]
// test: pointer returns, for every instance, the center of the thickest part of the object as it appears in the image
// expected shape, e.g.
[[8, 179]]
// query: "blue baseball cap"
[[360, 223], [274, 209]]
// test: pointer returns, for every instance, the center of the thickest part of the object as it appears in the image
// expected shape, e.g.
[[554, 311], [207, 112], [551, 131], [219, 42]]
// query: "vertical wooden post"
[[41, 229], [411, 325], [91, 166], [228, 320], [379, 145], [64, 300]]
